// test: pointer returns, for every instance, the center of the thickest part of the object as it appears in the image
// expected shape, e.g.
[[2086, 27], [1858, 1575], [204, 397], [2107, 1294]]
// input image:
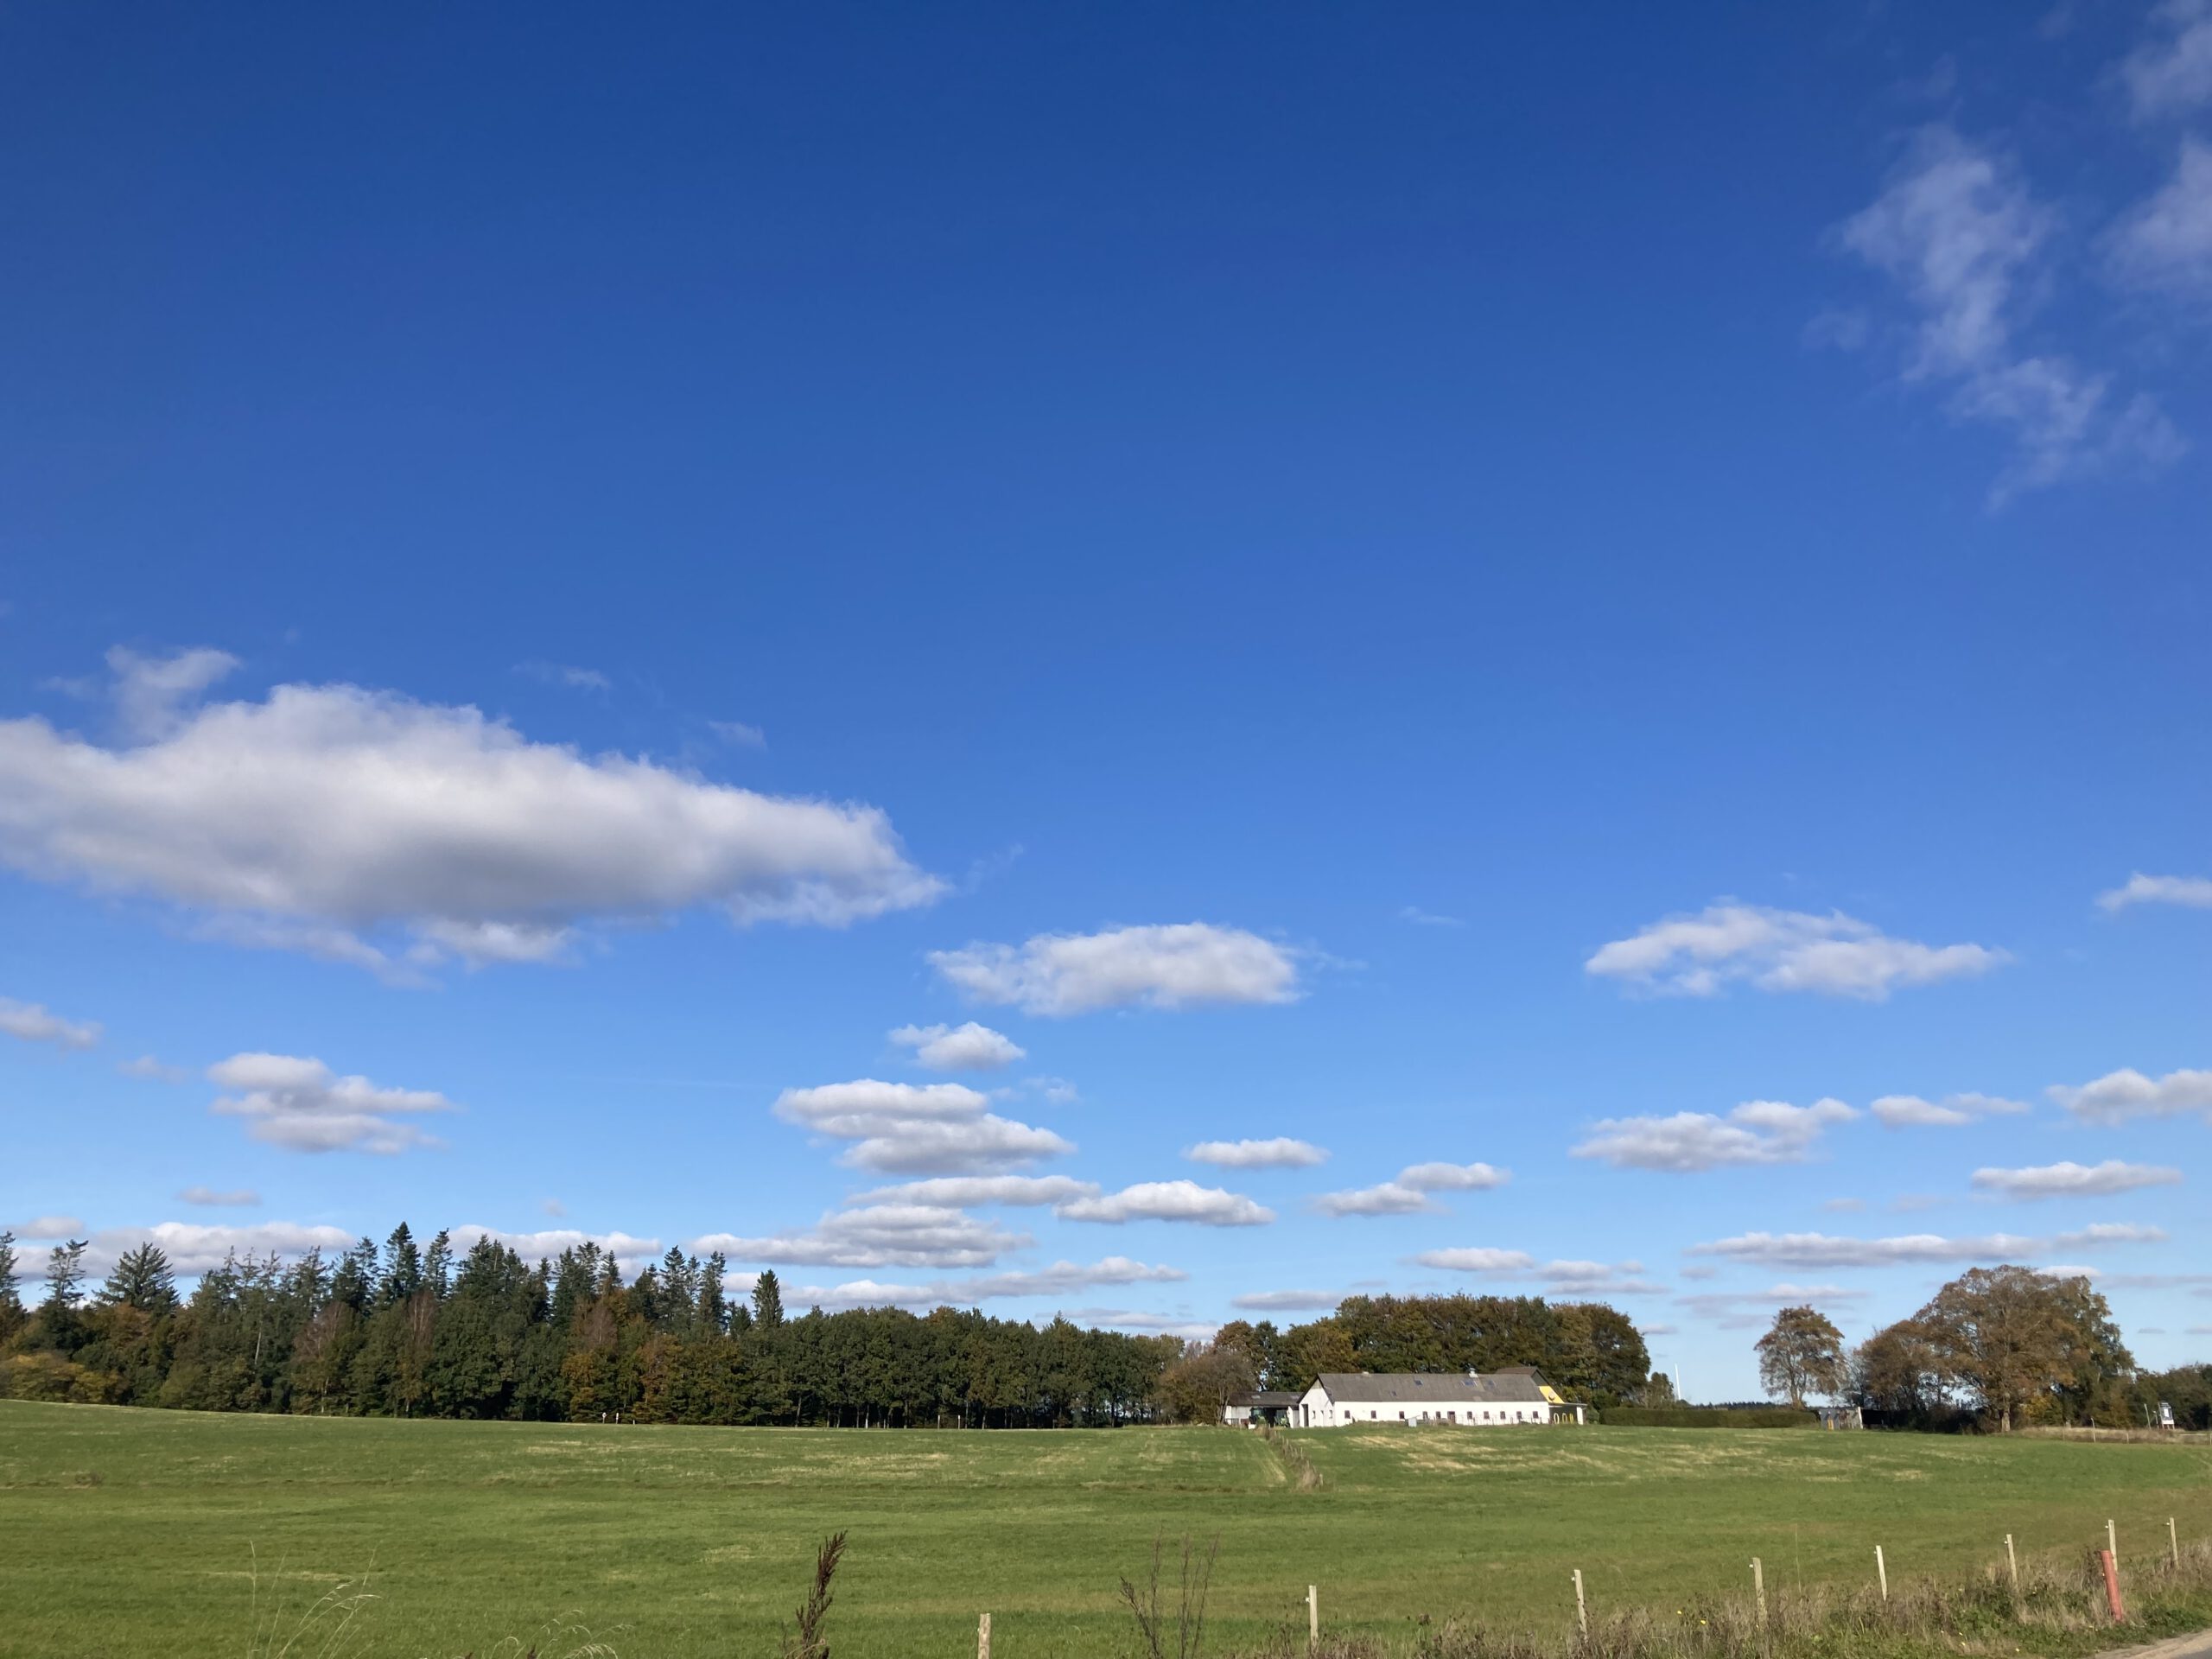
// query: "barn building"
[[1514, 1396]]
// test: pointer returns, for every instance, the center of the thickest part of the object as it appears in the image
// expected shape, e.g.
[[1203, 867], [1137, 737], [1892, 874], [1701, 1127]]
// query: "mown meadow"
[[134, 1532]]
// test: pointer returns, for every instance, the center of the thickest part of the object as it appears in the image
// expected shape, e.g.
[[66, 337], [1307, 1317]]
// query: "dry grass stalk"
[[809, 1643], [1181, 1639]]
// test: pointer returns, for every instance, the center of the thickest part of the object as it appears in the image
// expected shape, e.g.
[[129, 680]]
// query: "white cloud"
[[42, 1228], [634, 1254], [1756, 1132], [1280, 1153], [1188, 965], [1834, 955], [2171, 73], [242, 1197], [1826, 1250], [1409, 1193], [152, 1070], [1962, 237], [916, 1129], [1743, 1310], [1288, 1301], [2118, 1095], [2066, 1180], [1420, 917], [1058, 1280], [35, 1025], [2165, 244], [297, 1102], [2100, 1233], [970, 1047], [1843, 1206], [877, 1235], [2193, 891], [1909, 1111], [1479, 1259], [1208, 1206], [976, 1191], [150, 691], [192, 1248], [326, 812], [577, 680], [1560, 1278]]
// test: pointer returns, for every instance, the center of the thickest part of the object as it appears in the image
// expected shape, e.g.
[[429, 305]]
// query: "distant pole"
[[2013, 1560], [2112, 1541], [1581, 1608], [1758, 1589], [1882, 1572], [1313, 1616], [2173, 1544], [983, 1638]]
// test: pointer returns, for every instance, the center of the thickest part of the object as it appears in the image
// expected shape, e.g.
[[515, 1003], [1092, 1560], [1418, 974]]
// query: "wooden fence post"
[[983, 1638], [2012, 1561], [1313, 1616], [1581, 1608], [2112, 1587], [2173, 1544], [1882, 1572]]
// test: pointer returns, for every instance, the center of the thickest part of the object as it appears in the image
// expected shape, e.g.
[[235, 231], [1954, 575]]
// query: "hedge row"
[[1708, 1417]]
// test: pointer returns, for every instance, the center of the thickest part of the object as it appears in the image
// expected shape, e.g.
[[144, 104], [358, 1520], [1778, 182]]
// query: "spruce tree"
[[142, 1279], [402, 1267], [11, 1303], [65, 1274], [712, 1314], [437, 1267], [767, 1300]]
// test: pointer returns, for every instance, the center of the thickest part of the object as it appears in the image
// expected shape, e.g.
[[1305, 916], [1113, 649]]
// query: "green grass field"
[[136, 1533]]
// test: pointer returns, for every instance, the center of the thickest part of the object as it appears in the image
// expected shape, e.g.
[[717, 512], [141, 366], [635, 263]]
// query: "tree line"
[[416, 1329], [2008, 1346]]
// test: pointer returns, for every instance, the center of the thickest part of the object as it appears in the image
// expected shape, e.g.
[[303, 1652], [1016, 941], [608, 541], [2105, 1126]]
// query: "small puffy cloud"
[[1834, 955], [916, 1129], [2100, 1233], [1411, 1190], [1288, 1301], [634, 1254], [2069, 1179], [978, 1191], [35, 1025], [1756, 1132], [1186, 1201], [2192, 891], [1479, 1259], [297, 1102], [970, 1047], [1280, 1153], [1826, 1250], [236, 1197], [193, 1247], [877, 1236], [2118, 1095], [1183, 965], [2170, 73], [152, 1070], [1911, 1111], [315, 817]]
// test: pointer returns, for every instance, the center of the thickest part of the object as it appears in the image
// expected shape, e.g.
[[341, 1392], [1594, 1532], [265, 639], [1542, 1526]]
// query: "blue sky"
[[1572, 601]]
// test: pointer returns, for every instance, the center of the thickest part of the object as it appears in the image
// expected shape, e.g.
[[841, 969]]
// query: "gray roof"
[[1432, 1388]]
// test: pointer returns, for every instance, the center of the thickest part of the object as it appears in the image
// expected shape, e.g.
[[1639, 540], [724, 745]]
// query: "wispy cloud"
[[2118, 1095], [2170, 73], [1413, 1189], [2193, 890], [1181, 965], [1834, 954], [297, 1102], [2066, 1180], [1826, 1250], [240, 1198], [1280, 1153], [33, 1024], [1962, 237], [1952, 1111], [1756, 1132], [567, 674], [876, 1235], [1288, 1301]]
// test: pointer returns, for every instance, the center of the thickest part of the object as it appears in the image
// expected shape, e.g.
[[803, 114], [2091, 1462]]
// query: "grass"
[[138, 1533]]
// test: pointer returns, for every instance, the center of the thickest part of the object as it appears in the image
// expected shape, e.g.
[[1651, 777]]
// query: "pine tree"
[[11, 1303], [402, 1267], [142, 1279], [437, 1267], [767, 1300], [65, 1275], [712, 1314]]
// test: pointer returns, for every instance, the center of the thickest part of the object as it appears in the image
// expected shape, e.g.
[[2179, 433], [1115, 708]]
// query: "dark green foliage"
[[1708, 1417]]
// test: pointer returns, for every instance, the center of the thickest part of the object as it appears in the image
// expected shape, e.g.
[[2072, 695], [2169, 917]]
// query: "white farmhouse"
[[1339, 1399]]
